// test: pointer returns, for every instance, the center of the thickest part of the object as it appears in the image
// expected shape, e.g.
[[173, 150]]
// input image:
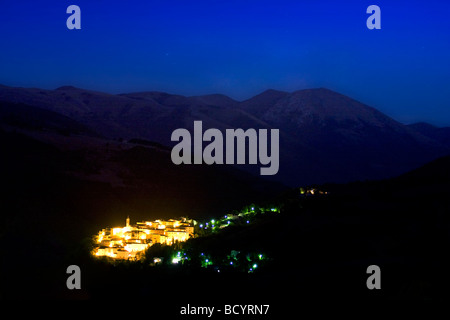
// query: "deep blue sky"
[[238, 48]]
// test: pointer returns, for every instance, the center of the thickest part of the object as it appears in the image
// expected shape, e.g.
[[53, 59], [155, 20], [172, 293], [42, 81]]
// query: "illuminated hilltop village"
[[130, 242]]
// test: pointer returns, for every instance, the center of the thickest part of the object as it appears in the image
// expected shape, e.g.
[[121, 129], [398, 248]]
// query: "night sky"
[[238, 48]]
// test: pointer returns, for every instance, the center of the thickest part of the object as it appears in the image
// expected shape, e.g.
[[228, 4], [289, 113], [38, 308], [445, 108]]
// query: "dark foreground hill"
[[319, 246]]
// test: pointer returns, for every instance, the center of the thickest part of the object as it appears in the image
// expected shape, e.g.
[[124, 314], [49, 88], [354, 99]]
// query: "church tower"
[[128, 221]]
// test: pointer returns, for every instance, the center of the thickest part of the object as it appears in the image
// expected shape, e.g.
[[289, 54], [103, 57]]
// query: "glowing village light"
[[157, 260]]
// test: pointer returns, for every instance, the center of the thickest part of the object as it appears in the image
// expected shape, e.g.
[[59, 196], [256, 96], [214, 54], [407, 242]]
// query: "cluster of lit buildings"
[[311, 192], [130, 242]]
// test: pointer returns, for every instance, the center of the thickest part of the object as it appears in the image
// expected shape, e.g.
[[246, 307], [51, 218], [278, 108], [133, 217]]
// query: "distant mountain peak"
[[271, 93], [320, 92]]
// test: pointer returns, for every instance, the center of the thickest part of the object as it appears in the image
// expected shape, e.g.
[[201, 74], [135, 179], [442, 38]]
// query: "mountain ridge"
[[324, 136]]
